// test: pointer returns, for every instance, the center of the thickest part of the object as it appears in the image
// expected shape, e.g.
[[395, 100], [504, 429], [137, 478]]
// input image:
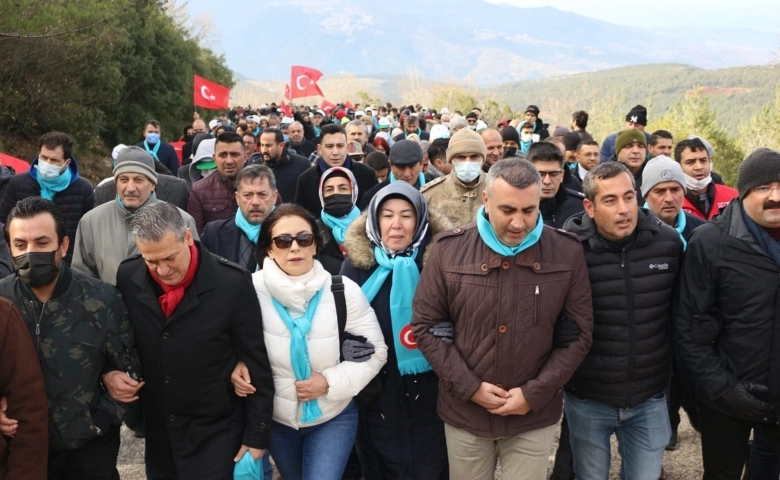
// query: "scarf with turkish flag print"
[[173, 294]]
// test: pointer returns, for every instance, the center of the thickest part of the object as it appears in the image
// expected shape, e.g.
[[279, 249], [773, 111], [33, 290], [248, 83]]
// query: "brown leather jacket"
[[503, 310]]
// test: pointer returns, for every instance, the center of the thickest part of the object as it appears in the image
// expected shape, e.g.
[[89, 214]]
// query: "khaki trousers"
[[523, 457]]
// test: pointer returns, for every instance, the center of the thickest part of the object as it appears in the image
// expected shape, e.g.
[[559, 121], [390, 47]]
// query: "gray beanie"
[[759, 168], [135, 160], [659, 170], [707, 145]]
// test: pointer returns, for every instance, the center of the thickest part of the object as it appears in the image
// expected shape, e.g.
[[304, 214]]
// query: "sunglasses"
[[283, 242]]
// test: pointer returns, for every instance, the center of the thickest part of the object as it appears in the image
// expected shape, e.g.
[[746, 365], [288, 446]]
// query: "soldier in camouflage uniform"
[[80, 328]]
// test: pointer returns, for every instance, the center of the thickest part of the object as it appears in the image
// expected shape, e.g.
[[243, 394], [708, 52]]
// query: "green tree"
[[763, 129]]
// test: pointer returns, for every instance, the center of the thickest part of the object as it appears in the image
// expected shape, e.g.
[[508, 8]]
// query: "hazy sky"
[[752, 14]]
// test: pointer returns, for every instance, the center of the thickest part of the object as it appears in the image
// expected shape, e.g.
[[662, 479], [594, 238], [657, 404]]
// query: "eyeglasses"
[[283, 242], [551, 173], [765, 191]]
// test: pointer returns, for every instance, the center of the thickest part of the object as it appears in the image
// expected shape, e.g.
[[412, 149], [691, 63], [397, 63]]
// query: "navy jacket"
[[165, 155]]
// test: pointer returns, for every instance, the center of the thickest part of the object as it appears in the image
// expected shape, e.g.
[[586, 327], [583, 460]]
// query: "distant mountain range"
[[468, 41]]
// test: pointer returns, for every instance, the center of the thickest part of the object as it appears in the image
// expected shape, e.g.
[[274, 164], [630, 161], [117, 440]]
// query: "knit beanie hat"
[[135, 160], [466, 141], [759, 168], [659, 170], [707, 145], [638, 114], [509, 134], [627, 137]]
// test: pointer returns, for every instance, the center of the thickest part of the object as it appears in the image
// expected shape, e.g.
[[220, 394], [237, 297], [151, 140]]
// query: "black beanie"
[[759, 168], [509, 134], [638, 114]]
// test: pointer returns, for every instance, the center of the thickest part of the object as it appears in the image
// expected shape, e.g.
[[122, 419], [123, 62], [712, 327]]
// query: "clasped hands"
[[498, 401]]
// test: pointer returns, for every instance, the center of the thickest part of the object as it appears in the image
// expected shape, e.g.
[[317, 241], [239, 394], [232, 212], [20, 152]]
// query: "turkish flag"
[[348, 104], [287, 91], [208, 94], [286, 109], [303, 81], [327, 106]]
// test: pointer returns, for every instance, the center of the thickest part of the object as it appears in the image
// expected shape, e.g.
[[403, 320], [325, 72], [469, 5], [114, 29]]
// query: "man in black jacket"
[[236, 238], [632, 263], [726, 315], [558, 203], [287, 166], [332, 151], [161, 151], [194, 315]]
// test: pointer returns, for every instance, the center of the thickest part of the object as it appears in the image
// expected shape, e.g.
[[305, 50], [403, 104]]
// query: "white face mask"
[[526, 137], [47, 170], [694, 184], [467, 171]]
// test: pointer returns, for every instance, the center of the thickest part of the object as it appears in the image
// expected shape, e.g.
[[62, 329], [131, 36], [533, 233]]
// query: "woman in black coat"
[[400, 435], [338, 195]]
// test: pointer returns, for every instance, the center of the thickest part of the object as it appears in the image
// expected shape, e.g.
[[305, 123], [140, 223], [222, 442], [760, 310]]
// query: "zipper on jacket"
[[630, 318], [38, 324], [536, 306]]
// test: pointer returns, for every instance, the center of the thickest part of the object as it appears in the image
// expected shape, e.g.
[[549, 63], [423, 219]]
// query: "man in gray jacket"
[[104, 238]]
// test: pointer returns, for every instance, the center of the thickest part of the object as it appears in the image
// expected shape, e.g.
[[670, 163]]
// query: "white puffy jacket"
[[345, 379]]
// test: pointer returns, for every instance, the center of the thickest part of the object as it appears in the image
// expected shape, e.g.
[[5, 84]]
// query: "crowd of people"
[[390, 293]]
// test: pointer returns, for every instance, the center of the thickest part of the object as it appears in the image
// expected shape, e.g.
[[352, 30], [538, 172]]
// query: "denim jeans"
[[318, 452], [642, 432]]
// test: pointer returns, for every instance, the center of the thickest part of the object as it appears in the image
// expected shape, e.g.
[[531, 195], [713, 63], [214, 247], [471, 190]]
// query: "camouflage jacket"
[[458, 202], [82, 332]]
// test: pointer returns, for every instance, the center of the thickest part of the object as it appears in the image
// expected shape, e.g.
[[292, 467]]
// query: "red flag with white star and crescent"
[[303, 82], [208, 94]]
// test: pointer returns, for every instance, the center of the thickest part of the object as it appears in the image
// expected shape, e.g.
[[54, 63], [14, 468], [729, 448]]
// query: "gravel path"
[[682, 464]]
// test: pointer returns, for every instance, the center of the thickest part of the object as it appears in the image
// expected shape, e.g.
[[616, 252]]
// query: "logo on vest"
[[659, 266]]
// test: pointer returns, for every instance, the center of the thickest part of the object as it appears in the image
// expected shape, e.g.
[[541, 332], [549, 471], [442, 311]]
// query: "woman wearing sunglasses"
[[400, 435], [315, 418]]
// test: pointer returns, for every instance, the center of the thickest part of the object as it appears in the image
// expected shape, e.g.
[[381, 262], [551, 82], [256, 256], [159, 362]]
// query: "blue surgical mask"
[[152, 138], [47, 170], [467, 171]]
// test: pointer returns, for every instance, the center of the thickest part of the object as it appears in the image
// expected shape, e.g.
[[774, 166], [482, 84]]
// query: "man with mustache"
[[286, 166], [633, 261], [103, 237], [235, 238], [725, 318]]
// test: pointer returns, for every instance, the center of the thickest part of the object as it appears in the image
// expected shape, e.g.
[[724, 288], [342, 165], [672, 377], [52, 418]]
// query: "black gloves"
[[444, 331], [566, 332], [356, 348], [743, 404]]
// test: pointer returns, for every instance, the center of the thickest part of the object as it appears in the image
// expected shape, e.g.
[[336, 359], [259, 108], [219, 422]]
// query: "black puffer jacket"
[[727, 310], [565, 204], [632, 285]]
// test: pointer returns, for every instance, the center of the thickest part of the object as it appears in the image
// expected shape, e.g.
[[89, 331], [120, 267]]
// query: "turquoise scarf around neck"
[[524, 146], [420, 179], [299, 349], [153, 151], [489, 236], [406, 275], [53, 186], [339, 225], [252, 231], [680, 227]]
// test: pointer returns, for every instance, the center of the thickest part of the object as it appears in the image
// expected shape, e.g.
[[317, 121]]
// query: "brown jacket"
[[211, 199], [21, 382], [504, 310]]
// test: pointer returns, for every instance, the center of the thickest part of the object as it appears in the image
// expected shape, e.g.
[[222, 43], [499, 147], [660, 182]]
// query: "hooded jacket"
[[632, 286], [727, 310], [400, 435], [76, 200]]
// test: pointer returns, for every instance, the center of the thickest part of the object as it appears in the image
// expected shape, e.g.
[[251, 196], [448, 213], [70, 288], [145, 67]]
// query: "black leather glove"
[[356, 348], [445, 331], [565, 332], [743, 404]]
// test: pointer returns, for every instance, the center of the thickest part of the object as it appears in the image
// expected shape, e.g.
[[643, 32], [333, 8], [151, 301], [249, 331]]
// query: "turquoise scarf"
[[339, 225], [406, 275], [252, 231], [153, 151], [681, 223], [420, 179], [489, 236], [524, 146], [299, 349], [53, 186]]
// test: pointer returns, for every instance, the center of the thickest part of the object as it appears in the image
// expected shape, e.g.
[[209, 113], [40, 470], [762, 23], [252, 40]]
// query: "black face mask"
[[510, 152], [36, 269], [338, 205]]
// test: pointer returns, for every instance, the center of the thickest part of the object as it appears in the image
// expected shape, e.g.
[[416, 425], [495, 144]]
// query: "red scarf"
[[174, 294]]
